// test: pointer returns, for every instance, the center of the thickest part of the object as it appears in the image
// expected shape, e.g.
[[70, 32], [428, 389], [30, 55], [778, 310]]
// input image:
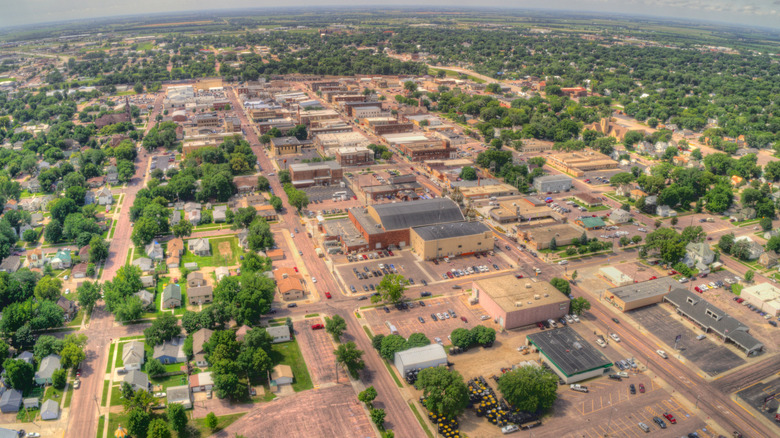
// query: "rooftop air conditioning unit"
[[284, 275], [518, 304], [546, 295], [537, 297], [528, 285]]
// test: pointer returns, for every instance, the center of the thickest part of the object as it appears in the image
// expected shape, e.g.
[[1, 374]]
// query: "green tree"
[[155, 368], [378, 417], [367, 396], [553, 244], [164, 328], [349, 356], [48, 288], [263, 184], [158, 429], [211, 421], [376, 342], [98, 249], [444, 390], [276, 203], [260, 236], [468, 173], [59, 378], [182, 229], [529, 388], [177, 418], [72, 355], [727, 241], [417, 340], [561, 284], [19, 374], [579, 305], [138, 422], [482, 335], [574, 275], [391, 289], [392, 344], [462, 338], [30, 236], [335, 325], [284, 176], [749, 276], [766, 223]]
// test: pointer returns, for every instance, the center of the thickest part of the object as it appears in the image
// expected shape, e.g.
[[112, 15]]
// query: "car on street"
[[662, 354], [291, 305], [617, 321], [33, 435], [362, 298], [313, 280], [615, 337], [76, 384], [601, 343]]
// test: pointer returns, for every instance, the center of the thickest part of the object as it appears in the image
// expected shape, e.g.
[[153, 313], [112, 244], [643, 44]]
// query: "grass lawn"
[[166, 382], [115, 419], [116, 394], [69, 395], [52, 393], [76, 321], [215, 259], [101, 426], [119, 362], [106, 387], [368, 332], [110, 355], [392, 373], [129, 258], [7, 79], [312, 315], [289, 353], [26, 415], [736, 289], [421, 420], [223, 422]]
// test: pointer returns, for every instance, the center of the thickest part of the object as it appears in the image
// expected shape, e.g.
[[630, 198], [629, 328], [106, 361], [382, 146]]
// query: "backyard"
[[288, 353]]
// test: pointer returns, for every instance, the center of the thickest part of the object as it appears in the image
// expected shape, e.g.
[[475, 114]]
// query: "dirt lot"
[[327, 412], [317, 349]]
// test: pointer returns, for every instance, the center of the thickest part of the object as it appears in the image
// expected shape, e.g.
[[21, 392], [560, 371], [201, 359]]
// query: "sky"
[[764, 13]]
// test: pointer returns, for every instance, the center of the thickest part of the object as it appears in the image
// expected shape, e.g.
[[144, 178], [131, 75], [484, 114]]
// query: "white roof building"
[[432, 355]]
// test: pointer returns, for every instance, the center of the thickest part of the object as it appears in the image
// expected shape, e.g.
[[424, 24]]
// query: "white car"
[[484, 317], [313, 280], [292, 235], [615, 337], [575, 318], [33, 435], [159, 394], [601, 343], [662, 354]]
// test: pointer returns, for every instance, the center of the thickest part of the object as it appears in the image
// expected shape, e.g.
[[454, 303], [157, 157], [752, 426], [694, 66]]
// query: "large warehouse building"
[[636, 295], [451, 240], [432, 355], [568, 355], [387, 225], [517, 302]]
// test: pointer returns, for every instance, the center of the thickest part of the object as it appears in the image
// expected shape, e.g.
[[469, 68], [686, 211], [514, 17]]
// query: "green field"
[[215, 259]]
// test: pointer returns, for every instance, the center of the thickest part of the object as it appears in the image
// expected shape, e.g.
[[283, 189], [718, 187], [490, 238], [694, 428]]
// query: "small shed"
[[31, 403], [282, 375]]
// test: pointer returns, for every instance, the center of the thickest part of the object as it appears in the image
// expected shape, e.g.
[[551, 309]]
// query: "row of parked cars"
[[370, 256], [470, 270], [550, 323], [758, 310], [657, 420]]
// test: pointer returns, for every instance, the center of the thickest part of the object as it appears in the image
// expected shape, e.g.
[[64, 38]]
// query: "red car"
[[327, 294], [642, 388], [296, 268], [740, 300], [463, 318], [540, 325], [519, 276], [670, 417], [317, 327], [364, 257], [653, 277], [390, 252], [696, 288]]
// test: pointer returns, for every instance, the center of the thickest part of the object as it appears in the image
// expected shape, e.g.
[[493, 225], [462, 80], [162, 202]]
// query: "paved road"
[[399, 416]]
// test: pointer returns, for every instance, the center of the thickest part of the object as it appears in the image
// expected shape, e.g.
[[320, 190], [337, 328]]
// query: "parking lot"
[[407, 322], [403, 262], [756, 396], [709, 354], [317, 350], [325, 193]]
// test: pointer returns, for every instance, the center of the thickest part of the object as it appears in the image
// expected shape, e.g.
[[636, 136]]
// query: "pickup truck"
[[579, 388]]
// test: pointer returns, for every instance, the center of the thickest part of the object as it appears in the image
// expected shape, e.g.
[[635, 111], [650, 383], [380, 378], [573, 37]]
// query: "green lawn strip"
[[101, 426], [421, 420], [312, 315], [69, 395], [392, 373], [746, 223], [119, 362], [222, 422], [166, 382], [736, 289], [368, 332], [106, 387], [288, 353], [76, 321], [129, 256], [110, 355], [116, 395], [131, 338]]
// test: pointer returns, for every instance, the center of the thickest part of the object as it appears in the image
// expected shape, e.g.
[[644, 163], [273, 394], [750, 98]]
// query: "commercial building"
[[528, 211], [569, 355], [540, 237], [287, 145], [635, 295], [368, 111], [451, 239], [209, 120], [354, 156], [587, 199], [533, 146], [326, 144], [590, 223], [517, 302], [387, 225], [552, 183], [488, 191], [309, 117], [323, 173], [615, 276], [713, 320], [577, 163], [432, 355], [765, 296]]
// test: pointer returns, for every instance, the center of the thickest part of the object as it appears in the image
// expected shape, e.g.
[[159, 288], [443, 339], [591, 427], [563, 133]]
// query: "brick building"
[[354, 156], [316, 174]]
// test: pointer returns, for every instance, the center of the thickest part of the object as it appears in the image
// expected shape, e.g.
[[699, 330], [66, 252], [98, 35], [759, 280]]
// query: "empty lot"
[[317, 350]]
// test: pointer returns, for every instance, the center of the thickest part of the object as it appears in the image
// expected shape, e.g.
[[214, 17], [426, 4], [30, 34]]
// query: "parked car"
[[317, 327], [632, 388], [433, 317], [659, 422], [420, 318], [670, 418], [641, 388]]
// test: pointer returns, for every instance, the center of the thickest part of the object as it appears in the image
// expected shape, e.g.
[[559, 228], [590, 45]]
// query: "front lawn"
[[288, 353], [222, 422], [166, 382], [215, 259]]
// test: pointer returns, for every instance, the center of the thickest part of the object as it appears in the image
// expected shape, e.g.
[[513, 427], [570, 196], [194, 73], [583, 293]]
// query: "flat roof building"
[[635, 295], [324, 173], [552, 183], [569, 355], [451, 239], [577, 163], [516, 302], [614, 276], [764, 296], [712, 319], [540, 237], [428, 356]]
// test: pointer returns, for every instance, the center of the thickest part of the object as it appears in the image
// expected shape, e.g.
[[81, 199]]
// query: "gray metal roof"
[[49, 365], [712, 318], [423, 354], [11, 398], [451, 230], [50, 410], [568, 351], [178, 393], [645, 289], [418, 213]]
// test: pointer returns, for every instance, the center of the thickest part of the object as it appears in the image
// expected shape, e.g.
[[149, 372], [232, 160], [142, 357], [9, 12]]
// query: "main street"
[[399, 416]]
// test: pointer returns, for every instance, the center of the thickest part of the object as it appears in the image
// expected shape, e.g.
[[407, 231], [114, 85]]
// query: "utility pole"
[[697, 401], [98, 405], [609, 423]]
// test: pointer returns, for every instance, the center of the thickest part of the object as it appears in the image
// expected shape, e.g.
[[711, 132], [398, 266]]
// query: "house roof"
[[81, 268], [195, 276], [199, 338], [49, 365], [200, 291], [66, 304], [418, 213], [199, 245], [202, 379], [136, 378], [11, 397], [145, 263], [178, 394], [451, 230], [283, 371], [172, 348], [171, 291], [425, 354], [175, 245], [133, 352], [592, 222], [278, 331], [50, 408]]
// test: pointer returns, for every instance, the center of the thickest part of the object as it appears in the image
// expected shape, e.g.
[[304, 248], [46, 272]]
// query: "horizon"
[[750, 17]]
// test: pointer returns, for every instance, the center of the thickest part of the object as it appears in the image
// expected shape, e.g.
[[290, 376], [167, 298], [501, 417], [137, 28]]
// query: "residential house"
[[191, 266], [170, 351], [10, 401], [155, 251], [190, 206], [289, 283], [179, 394], [31, 403], [698, 255], [175, 217], [104, 196], [137, 379], [35, 258], [173, 261], [171, 296], [49, 365], [68, 307], [61, 260], [200, 295], [50, 410], [194, 217], [146, 297], [665, 211], [754, 250], [112, 176], [144, 263], [195, 279], [279, 333], [222, 272], [11, 204], [176, 247], [11, 264], [768, 259], [241, 333], [201, 382], [80, 270], [148, 281], [36, 219], [199, 247], [90, 198], [243, 239], [133, 355], [282, 375], [199, 338], [33, 185], [619, 216], [84, 253], [26, 356]]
